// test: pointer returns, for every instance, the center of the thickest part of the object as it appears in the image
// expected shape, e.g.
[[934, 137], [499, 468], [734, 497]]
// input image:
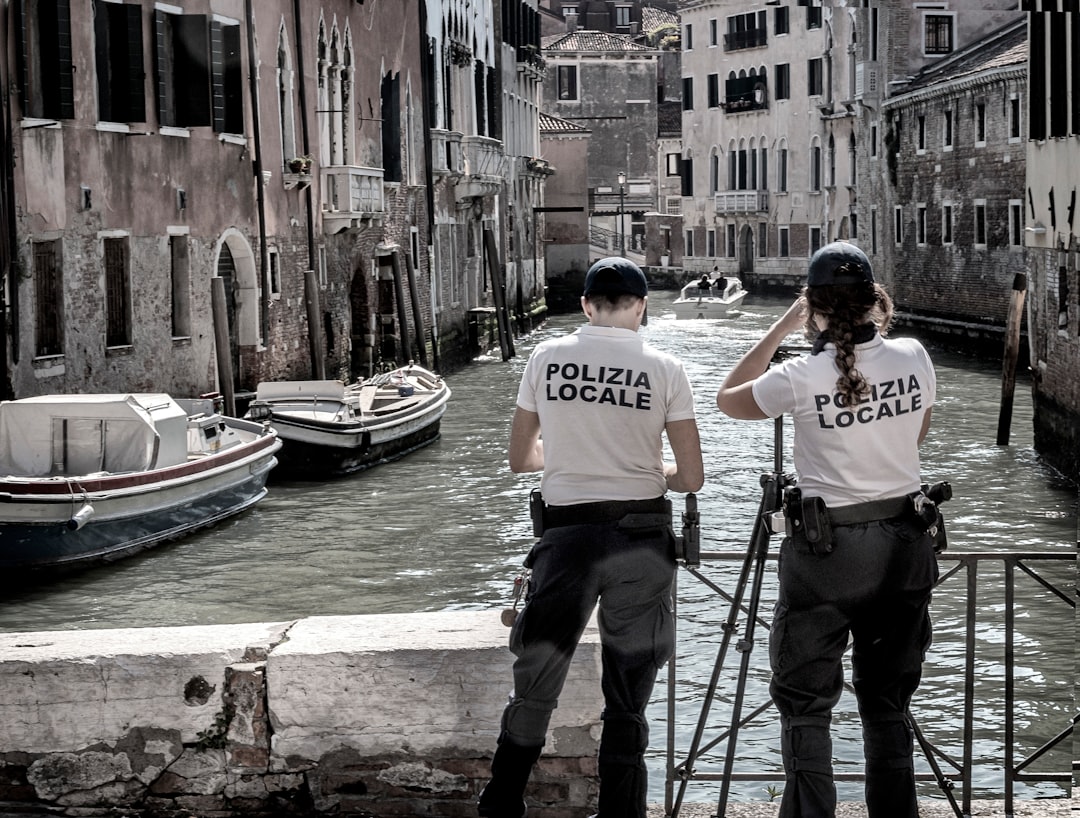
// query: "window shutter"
[[217, 75], [166, 105], [136, 73], [192, 74], [66, 102]]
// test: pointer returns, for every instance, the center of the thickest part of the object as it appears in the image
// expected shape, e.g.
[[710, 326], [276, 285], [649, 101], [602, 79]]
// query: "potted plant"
[[300, 164]]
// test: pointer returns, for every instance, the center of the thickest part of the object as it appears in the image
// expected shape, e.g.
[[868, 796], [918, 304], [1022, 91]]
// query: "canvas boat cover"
[[73, 435]]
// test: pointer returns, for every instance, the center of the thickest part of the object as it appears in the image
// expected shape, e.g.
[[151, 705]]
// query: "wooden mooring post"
[[1012, 348], [498, 290]]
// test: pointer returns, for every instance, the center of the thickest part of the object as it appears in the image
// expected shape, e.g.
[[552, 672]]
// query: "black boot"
[[503, 797]]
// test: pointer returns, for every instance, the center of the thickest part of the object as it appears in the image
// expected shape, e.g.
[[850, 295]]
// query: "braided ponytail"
[[842, 308]]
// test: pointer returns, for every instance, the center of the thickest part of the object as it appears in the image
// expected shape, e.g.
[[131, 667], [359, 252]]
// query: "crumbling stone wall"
[[371, 716]]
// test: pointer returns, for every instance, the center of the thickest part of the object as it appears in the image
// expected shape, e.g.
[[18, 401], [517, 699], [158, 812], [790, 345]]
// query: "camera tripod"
[[746, 599]]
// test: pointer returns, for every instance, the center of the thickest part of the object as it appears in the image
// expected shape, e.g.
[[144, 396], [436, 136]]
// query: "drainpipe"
[[256, 163], [8, 236], [302, 86]]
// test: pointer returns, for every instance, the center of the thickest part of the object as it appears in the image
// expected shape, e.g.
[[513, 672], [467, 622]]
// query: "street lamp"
[[622, 227]]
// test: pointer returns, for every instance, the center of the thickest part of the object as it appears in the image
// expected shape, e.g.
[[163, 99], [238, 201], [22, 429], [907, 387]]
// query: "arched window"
[[815, 164], [742, 180], [782, 167], [763, 156], [733, 169], [286, 108]]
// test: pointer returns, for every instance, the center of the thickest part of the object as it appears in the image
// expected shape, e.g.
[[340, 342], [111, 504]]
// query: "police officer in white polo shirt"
[[858, 560], [592, 409]]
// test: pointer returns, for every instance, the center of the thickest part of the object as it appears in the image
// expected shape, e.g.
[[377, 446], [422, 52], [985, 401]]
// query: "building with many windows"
[[607, 83], [361, 186], [768, 135], [943, 198], [1052, 234]]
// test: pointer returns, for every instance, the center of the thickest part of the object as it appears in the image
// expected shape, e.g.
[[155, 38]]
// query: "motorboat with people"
[[712, 296], [329, 428], [87, 479]]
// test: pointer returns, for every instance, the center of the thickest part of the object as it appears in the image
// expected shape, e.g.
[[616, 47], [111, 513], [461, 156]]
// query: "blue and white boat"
[[86, 479]]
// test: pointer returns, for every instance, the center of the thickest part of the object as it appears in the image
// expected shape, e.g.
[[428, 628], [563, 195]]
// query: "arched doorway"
[[746, 249], [235, 264]]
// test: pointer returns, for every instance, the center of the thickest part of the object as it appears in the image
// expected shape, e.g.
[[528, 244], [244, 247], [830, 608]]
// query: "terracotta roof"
[[652, 18], [594, 41], [549, 123], [1003, 48]]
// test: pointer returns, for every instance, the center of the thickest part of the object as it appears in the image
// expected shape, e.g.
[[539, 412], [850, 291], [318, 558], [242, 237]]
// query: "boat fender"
[[80, 517]]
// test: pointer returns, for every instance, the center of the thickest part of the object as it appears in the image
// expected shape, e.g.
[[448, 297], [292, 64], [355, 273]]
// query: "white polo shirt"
[[865, 452], [604, 398]]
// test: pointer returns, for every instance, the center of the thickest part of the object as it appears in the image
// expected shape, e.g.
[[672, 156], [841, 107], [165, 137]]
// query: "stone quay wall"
[[389, 715]]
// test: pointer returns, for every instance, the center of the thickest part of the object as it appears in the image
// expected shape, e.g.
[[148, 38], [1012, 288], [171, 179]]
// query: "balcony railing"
[[349, 194], [742, 201], [445, 151], [483, 156], [736, 40], [484, 166]]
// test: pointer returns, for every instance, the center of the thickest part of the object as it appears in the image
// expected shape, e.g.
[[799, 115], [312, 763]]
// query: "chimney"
[[571, 23]]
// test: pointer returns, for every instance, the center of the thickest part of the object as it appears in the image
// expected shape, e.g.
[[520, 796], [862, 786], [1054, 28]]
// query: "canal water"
[[446, 528]]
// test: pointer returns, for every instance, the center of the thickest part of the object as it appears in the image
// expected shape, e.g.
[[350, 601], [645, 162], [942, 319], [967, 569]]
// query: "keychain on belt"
[[509, 615]]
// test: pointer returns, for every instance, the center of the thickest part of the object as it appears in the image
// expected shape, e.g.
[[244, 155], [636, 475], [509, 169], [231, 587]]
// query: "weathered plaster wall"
[[375, 715]]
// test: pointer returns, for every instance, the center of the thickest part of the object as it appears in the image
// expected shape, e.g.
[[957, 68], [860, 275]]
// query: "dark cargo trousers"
[[875, 586], [572, 568]]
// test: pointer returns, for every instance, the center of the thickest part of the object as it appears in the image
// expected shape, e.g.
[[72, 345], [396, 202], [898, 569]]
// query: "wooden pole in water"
[[222, 349], [404, 341], [498, 290], [418, 315], [1012, 347], [314, 322]]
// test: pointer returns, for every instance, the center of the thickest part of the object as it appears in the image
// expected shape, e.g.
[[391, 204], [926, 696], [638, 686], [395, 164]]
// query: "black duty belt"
[[869, 512], [606, 511]]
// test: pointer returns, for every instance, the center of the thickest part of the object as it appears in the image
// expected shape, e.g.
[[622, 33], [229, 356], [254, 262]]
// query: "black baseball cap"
[[839, 262], [615, 276]]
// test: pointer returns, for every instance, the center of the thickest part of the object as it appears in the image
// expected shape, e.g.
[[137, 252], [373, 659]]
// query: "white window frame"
[[1016, 227], [980, 123], [783, 239], [979, 207], [936, 10], [948, 130], [920, 224], [948, 224], [1016, 117]]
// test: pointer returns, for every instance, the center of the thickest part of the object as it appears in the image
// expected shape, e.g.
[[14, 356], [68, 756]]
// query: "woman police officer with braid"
[[861, 406]]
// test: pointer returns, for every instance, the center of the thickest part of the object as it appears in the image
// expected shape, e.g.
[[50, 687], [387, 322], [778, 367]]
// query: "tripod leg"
[[759, 550]]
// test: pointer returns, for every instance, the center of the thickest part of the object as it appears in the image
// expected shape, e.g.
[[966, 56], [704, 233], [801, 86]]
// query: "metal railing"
[[962, 638], [741, 201], [609, 240]]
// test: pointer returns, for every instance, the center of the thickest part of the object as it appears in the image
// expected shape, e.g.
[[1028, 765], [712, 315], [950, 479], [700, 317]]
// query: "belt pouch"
[[818, 529]]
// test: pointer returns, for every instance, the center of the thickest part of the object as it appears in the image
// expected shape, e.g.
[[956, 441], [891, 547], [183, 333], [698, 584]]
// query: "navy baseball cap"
[[615, 276], [839, 262]]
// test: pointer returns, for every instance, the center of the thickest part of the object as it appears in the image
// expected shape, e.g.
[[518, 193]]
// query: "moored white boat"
[[93, 478], [328, 428], [722, 296]]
